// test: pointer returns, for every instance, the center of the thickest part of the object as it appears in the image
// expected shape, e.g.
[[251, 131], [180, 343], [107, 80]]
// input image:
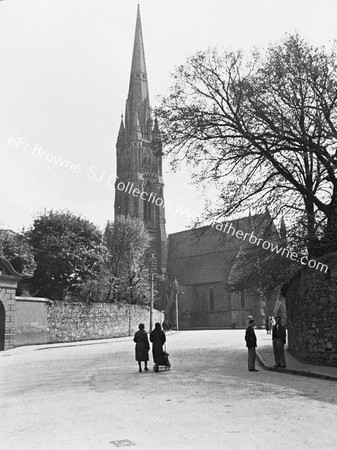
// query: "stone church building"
[[202, 259], [206, 262]]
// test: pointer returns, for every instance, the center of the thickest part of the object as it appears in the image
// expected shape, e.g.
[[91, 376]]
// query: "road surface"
[[93, 397]]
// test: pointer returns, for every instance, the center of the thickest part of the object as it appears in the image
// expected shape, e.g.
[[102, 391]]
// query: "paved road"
[[92, 397]]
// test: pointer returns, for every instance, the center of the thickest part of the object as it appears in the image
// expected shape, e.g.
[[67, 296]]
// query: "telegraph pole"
[[152, 270], [176, 290]]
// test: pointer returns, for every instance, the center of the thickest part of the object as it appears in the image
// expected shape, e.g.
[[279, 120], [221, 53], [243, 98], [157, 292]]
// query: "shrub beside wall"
[[80, 321], [312, 314]]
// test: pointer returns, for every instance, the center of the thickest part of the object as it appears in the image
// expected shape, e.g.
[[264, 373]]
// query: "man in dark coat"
[[279, 336], [158, 339], [142, 347], [250, 339]]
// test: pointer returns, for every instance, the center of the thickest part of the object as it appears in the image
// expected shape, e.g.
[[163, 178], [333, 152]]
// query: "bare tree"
[[263, 129], [127, 242]]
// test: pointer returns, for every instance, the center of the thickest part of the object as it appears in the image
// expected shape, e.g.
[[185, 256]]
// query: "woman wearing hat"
[[158, 339], [142, 347]]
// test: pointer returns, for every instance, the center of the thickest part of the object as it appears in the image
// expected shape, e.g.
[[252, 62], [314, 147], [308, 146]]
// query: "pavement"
[[265, 356]]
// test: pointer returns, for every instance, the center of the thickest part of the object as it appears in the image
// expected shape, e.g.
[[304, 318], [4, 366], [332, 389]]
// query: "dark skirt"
[[142, 346], [158, 338], [158, 354], [142, 352]]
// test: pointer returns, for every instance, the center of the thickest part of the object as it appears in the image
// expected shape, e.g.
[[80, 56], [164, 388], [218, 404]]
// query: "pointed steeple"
[[157, 146], [135, 134], [139, 155], [156, 136], [283, 230], [138, 56], [121, 134], [156, 131], [138, 97]]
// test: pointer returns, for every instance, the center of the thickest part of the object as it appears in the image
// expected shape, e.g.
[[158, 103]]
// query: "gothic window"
[[148, 205], [118, 203], [211, 299], [243, 299], [144, 207], [135, 207], [126, 206], [147, 209]]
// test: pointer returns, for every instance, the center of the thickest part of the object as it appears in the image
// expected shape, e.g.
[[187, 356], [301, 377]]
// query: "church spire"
[[283, 230], [121, 134], [138, 97], [135, 134], [139, 157]]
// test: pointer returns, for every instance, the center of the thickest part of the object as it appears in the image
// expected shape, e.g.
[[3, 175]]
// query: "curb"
[[303, 373], [91, 342], [51, 346], [76, 344]]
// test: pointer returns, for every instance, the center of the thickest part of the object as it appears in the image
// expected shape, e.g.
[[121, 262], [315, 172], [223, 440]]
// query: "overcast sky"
[[64, 73]]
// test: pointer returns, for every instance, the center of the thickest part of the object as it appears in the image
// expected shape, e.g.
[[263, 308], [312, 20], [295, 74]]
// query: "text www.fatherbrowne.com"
[[225, 227], [129, 188], [228, 228]]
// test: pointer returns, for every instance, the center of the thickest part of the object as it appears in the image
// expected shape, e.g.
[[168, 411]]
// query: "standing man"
[[250, 339], [279, 336]]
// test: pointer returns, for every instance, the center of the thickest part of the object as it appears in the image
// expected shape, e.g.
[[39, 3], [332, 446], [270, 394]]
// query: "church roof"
[[207, 254]]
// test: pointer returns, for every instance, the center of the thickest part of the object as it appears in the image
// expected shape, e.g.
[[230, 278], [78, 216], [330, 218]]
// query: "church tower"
[[139, 188]]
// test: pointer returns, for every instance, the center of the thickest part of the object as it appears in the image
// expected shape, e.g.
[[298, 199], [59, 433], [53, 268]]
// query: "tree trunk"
[[329, 241], [313, 243]]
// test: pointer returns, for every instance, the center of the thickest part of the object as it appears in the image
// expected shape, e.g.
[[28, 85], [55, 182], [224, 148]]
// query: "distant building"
[[206, 261]]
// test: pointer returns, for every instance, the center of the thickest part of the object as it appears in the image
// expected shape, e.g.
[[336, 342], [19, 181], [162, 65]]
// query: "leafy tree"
[[68, 252], [127, 242], [260, 272], [122, 275], [15, 248], [264, 130]]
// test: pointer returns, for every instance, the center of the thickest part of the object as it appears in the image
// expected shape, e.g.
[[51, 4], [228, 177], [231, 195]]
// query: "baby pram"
[[164, 362]]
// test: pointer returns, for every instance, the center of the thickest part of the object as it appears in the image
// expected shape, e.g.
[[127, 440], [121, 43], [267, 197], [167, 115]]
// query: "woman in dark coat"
[[158, 339], [142, 347]]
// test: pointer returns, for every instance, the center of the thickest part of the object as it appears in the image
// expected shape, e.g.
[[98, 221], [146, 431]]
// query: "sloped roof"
[[7, 270], [206, 255]]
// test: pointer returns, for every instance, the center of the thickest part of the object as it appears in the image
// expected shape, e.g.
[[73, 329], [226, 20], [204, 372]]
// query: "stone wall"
[[79, 321], [8, 284], [31, 325], [7, 327], [312, 314]]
